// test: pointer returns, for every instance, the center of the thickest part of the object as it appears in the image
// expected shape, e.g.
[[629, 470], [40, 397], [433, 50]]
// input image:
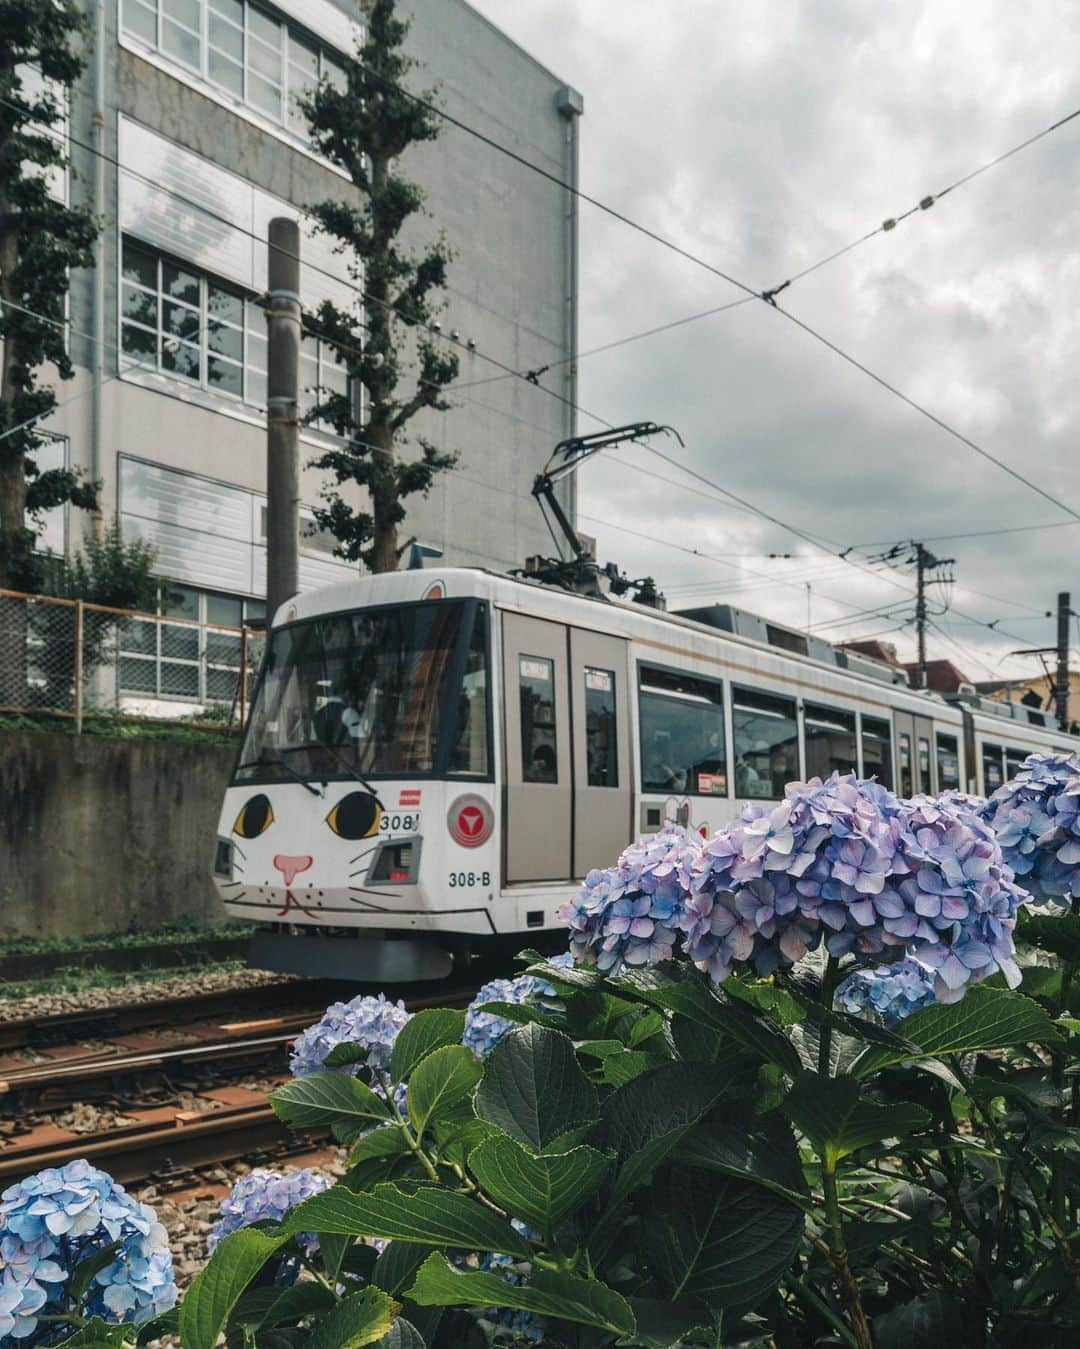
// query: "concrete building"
[[186, 140], [1037, 691]]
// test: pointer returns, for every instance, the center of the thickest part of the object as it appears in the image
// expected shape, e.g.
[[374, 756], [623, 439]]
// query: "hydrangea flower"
[[51, 1222], [369, 1021], [264, 1195], [484, 1030], [523, 1324], [892, 991], [630, 914], [1035, 816]]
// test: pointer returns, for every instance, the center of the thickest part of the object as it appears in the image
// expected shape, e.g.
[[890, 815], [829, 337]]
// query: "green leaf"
[[441, 1081], [934, 1318], [217, 1287], [534, 1088], [985, 1018], [728, 1244], [1059, 935], [541, 1191], [378, 1144], [288, 1304], [85, 1270], [346, 1053], [401, 1335], [455, 1139], [832, 1114], [601, 1049], [561, 1296], [759, 1149], [646, 1119], [619, 1069], [329, 1098], [575, 978], [525, 1014], [98, 1334], [168, 1323], [396, 1266], [426, 1214], [662, 1324], [358, 1319], [421, 1035], [644, 1027]]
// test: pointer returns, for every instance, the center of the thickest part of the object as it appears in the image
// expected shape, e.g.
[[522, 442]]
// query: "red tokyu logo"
[[470, 820]]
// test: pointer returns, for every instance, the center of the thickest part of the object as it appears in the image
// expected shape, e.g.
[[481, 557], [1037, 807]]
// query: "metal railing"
[[71, 659]]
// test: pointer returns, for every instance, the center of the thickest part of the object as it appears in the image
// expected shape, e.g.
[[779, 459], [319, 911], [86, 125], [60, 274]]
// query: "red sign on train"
[[470, 820]]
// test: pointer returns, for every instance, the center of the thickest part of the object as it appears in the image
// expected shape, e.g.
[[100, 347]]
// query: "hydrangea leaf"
[[619, 1069], [759, 1149], [456, 1139], [661, 1323], [441, 1081], [933, 1318], [728, 1244], [218, 1286], [524, 1013], [85, 1270], [645, 1120], [358, 1319], [833, 1115], [541, 1191], [1059, 935], [601, 1049], [534, 1088], [329, 1099], [379, 1144], [167, 1323], [264, 1308], [425, 1214], [985, 1018], [561, 1296], [397, 1265], [560, 977], [346, 1054], [427, 1031], [402, 1335], [97, 1334]]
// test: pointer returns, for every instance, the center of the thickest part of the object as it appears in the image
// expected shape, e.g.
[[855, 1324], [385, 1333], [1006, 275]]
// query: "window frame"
[[612, 693], [796, 719], [529, 746], [942, 740], [810, 711], [889, 743], [725, 722], [1000, 750]]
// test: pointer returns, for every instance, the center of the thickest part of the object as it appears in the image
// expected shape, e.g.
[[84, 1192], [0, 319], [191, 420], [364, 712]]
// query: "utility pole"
[[282, 415], [924, 561], [1061, 683]]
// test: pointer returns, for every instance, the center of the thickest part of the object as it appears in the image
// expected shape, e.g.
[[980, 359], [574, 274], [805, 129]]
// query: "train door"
[[914, 757], [601, 731], [539, 794]]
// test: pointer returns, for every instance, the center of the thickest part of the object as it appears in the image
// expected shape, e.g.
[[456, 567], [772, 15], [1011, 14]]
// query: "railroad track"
[[160, 1140]]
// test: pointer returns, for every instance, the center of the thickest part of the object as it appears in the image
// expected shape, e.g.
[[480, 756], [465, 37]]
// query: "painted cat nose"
[[290, 867]]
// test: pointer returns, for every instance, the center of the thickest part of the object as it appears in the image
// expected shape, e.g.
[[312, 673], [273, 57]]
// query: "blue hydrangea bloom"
[[264, 1195], [630, 914], [892, 991], [522, 1324], [484, 1030], [1035, 816], [52, 1221], [369, 1021]]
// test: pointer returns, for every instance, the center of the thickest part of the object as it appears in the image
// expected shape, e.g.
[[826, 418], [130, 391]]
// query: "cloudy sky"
[[762, 137]]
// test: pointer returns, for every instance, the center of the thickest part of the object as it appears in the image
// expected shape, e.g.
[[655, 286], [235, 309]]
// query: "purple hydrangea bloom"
[[51, 1222], [1035, 816], [369, 1021], [264, 1195], [484, 1030], [892, 991], [630, 914]]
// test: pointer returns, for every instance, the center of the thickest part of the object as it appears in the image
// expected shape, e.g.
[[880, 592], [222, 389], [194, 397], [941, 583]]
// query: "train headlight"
[[355, 816]]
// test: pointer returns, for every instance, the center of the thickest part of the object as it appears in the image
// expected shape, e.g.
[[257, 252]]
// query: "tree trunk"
[[384, 499]]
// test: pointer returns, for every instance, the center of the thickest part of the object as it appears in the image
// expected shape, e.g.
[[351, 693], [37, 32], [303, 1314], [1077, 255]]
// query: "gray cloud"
[[761, 137]]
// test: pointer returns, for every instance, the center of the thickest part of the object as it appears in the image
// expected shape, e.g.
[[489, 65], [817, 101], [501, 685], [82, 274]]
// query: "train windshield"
[[389, 692]]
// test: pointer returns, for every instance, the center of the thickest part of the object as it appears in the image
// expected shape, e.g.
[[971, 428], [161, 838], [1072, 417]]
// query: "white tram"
[[435, 758]]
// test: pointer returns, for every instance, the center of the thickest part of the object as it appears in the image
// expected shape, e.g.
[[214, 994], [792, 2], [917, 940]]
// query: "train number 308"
[[464, 879]]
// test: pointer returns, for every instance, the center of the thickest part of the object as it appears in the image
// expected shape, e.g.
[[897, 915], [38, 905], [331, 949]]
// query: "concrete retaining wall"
[[98, 834]]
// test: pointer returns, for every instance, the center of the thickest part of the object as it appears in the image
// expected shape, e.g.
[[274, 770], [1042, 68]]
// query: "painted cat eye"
[[355, 816], [255, 817]]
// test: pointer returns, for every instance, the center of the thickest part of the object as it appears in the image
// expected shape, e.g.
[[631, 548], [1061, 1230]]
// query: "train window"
[[682, 734], [906, 783], [830, 741], [601, 744], [470, 753], [371, 691], [1014, 761], [993, 773], [948, 763], [766, 744], [924, 765], [877, 750], [539, 746]]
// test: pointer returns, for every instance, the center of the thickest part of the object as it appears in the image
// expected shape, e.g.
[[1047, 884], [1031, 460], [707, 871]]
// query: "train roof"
[[724, 621]]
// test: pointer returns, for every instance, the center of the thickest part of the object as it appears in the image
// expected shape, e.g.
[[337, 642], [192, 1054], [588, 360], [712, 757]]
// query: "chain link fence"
[[67, 658]]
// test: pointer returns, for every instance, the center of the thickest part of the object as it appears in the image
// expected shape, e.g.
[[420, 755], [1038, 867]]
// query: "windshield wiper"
[[341, 762], [264, 762]]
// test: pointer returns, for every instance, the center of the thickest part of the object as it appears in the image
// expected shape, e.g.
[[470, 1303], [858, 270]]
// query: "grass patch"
[[118, 727], [175, 931], [81, 980]]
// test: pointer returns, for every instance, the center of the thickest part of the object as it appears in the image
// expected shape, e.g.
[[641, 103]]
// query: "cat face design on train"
[[307, 851]]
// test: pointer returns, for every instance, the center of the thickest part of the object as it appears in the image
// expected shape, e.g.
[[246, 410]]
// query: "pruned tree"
[[365, 123], [41, 240]]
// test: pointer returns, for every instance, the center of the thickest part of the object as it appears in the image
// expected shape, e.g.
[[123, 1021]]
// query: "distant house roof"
[[875, 649], [941, 675]]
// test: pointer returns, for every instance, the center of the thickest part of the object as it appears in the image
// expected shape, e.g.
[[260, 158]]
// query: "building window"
[[948, 763], [320, 376], [601, 739], [766, 743], [877, 751], [830, 741], [241, 49], [539, 747], [682, 733], [193, 659]]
